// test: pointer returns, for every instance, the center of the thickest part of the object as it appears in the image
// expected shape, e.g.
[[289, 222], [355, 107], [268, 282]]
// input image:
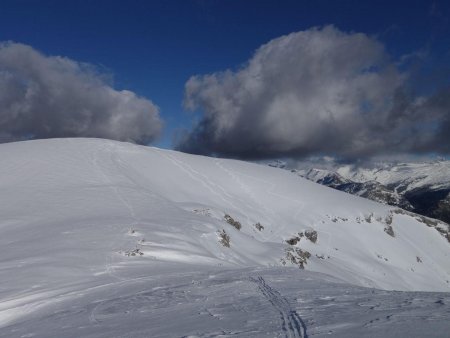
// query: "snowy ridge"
[[83, 219], [323, 176]]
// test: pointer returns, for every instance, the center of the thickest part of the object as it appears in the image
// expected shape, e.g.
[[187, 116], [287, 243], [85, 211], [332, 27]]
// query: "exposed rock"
[[134, 252], [298, 257], [224, 238], [232, 222], [311, 235], [293, 240], [259, 226], [388, 219], [389, 230]]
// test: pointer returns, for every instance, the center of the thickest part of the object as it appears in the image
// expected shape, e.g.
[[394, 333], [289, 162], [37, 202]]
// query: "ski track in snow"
[[243, 186], [114, 187], [202, 179], [292, 325], [109, 264], [270, 187]]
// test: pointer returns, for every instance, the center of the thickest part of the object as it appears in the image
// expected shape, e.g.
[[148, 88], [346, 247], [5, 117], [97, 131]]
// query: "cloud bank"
[[319, 91], [46, 97]]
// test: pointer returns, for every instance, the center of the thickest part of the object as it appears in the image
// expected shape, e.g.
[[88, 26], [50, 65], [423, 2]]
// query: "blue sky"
[[153, 47]]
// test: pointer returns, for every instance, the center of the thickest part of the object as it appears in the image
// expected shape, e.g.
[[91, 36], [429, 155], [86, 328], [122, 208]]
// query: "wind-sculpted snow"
[[108, 239], [251, 302]]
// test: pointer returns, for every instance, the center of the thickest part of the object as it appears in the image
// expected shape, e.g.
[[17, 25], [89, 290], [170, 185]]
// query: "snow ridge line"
[[292, 324]]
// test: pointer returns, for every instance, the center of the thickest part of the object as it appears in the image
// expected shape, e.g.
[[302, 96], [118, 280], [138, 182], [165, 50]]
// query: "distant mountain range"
[[423, 188]]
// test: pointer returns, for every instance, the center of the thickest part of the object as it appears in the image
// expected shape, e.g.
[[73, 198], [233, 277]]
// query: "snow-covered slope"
[[251, 302], [86, 217]]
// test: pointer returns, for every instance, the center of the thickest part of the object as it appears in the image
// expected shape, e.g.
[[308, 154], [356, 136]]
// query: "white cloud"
[[43, 97], [315, 91]]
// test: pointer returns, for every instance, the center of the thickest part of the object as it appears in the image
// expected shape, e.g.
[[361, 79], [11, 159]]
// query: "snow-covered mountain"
[[403, 176], [102, 239], [371, 189], [420, 187]]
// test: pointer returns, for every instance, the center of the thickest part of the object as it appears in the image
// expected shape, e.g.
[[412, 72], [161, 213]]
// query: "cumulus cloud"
[[45, 97], [319, 91]]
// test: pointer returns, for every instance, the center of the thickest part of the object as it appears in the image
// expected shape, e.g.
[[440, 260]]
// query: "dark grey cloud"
[[319, 91], [45, 97]]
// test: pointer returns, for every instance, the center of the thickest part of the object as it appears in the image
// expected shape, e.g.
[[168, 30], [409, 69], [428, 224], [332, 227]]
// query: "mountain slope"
[[370, 189], [82, 214], [420, 187], [403, 176]]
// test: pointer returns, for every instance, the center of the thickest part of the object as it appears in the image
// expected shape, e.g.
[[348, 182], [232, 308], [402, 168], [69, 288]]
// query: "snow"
[[433, 175], [316, 175], [246, 302], [74, 211]]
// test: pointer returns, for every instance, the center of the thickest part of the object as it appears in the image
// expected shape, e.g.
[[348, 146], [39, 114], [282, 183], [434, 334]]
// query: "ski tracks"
[[270, 190], [111, 149], [292, 325], [114, 187], [243, 186], [201, 178]]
